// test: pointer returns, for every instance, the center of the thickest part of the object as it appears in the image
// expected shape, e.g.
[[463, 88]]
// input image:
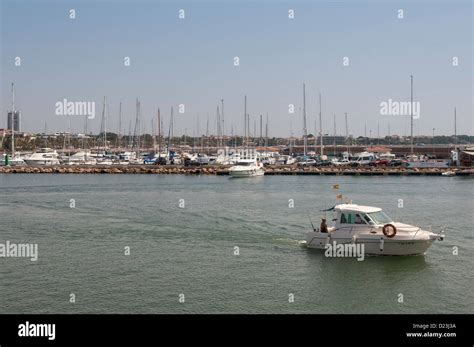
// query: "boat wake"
[[288, 241]]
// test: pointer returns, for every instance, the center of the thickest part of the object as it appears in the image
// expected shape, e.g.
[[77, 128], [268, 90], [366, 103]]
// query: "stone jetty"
[[223, 170]]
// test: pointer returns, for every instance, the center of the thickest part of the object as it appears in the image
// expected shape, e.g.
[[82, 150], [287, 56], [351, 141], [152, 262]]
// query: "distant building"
[[16, 121]]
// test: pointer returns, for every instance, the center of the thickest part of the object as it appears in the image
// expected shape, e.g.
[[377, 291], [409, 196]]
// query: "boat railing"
[[417, 232]]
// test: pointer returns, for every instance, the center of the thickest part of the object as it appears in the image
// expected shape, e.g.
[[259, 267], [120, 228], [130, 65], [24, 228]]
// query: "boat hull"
[[42, 162], [373, 246], [247, 173]]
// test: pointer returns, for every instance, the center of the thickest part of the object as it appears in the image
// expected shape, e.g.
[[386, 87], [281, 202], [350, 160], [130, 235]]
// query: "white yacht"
[[370, 226], [247, 168], [45, 156], [449, 173], [80, 158]]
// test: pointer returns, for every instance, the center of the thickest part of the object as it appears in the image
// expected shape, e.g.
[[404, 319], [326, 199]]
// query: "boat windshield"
[[380, 217]]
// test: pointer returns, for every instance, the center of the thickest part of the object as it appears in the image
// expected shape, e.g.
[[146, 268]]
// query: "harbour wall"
[[223, 170]]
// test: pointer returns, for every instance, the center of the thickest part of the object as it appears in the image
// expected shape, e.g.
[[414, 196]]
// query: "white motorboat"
[[449, 173], [422, 161], [45, 156], [247, 168], [80, 158], [371, 227]]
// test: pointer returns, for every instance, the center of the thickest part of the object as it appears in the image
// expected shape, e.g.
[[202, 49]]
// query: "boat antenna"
[[314, 229]]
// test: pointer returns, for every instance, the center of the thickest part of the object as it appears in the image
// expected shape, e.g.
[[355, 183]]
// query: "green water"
[[190, 250]]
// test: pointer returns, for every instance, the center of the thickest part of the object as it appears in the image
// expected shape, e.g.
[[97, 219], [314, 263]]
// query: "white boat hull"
[[42, 162], [246, 173], [369, 230], [44, 157], [374, 245]]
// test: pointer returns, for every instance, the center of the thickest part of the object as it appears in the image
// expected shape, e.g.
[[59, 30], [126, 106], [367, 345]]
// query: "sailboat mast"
[[136, 130], [159, 132], [411, 113], [85, 133], [13, 120], [320, 125], [455, 129], [218, 127], [198, 130], [130, 143], [315, 136], [105, 123], [153, 134], [305, 132], [120, 126], [69, 138], [245, 120], [254, 129], [347, 132], [291, 137], [266, 134], [223, 124], [232, 135], [207, 133], [170, 131], [139, 126]]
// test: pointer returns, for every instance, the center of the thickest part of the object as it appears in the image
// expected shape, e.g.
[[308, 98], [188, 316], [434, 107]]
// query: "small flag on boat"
[[335, 186], [339, 196]]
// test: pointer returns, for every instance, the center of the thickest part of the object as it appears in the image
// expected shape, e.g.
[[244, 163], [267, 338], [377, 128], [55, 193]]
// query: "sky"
[[190, 61]]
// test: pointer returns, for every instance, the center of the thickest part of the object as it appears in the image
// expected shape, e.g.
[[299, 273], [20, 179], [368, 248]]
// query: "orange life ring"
[[389, 230]]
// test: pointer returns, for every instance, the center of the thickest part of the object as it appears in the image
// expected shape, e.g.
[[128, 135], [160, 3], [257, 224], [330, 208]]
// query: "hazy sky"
[[191, 61]]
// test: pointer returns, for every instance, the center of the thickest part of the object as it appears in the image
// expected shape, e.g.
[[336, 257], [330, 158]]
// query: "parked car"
[[160, 161], [379, 162], [308, 162], [341, 162], [324, 163], [396, 162]]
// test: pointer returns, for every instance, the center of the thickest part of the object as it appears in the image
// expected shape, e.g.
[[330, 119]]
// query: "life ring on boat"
[[389, 230]]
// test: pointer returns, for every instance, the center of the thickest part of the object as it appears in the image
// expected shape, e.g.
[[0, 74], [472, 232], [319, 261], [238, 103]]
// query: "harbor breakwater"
[[223, 170]]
